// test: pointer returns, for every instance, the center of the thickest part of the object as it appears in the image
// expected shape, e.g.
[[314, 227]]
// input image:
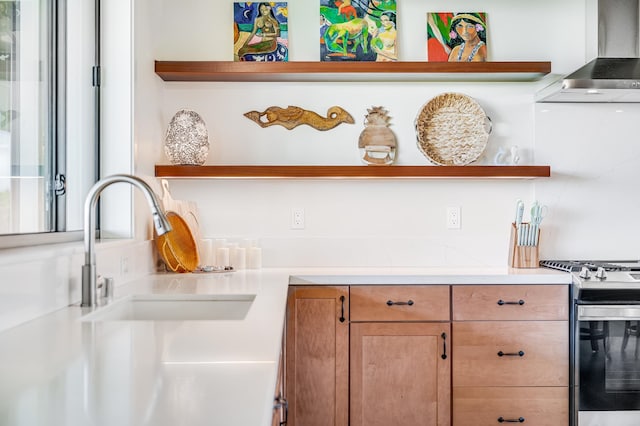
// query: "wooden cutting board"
[[188, 210]]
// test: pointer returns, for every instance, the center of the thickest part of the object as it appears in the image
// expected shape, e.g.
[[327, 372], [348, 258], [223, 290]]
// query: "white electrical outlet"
[[453, 218], [297, 218], [124, 265]]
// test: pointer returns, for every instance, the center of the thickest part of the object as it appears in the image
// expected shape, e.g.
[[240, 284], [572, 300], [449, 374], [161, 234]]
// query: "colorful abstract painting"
[[456, 37], [260, 31], [358, 30]]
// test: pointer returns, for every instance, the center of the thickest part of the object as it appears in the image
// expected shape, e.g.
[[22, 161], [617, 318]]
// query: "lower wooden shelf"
[[349, 172]]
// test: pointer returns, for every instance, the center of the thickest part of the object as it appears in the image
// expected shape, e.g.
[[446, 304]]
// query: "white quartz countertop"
[[60, 370], [414, 276]]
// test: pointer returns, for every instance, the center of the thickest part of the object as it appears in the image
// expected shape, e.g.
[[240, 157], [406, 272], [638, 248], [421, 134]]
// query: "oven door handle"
[[608, 312]]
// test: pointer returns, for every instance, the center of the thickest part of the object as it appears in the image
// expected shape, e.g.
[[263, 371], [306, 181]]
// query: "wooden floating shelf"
[[321, 172], [350, 71]]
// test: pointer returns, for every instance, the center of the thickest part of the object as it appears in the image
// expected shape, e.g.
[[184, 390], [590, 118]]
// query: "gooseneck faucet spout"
[[160, 222]]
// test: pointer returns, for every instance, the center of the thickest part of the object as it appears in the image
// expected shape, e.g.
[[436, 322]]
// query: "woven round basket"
[[452, 130]]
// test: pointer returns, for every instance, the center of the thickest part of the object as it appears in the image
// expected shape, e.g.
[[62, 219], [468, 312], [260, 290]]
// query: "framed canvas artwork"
[[260, 31], [358, 30], [456, 37]]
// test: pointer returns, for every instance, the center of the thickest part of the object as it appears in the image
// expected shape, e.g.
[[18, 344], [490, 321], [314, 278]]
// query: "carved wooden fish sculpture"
[[294, 116]]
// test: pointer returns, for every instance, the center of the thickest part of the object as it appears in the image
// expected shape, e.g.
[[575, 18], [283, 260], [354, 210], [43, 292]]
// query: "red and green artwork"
[[456, 37], [260, 31], [358, 30]]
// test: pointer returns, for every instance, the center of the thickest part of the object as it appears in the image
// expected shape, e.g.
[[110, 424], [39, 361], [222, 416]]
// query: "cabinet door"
[[279, 415], [400, 374], [317, 358]]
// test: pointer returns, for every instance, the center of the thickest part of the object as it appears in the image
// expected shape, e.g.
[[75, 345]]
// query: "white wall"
[[522, 31], [386, 222], [594, 155], [592, 151]]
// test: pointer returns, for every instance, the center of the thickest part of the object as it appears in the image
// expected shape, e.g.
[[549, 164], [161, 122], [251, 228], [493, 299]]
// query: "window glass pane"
[[24, 117]]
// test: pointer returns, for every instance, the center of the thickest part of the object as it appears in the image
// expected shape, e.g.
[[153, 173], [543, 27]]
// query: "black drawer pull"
[[502, 302], [281, 403], [391, 303], [503, 420], [519, 353], [342, 318], [444, 346]]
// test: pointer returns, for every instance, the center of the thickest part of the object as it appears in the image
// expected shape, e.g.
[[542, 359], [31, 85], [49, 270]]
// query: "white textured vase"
[[187, 139]]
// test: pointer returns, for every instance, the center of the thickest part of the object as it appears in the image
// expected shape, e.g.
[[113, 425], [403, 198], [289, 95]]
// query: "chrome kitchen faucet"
[[162, 226]]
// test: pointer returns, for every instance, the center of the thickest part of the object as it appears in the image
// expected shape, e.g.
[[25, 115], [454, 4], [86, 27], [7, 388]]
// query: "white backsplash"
[[39, 280]]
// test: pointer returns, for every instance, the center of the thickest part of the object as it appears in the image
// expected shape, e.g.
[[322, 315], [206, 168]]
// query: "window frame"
[[56, 162]]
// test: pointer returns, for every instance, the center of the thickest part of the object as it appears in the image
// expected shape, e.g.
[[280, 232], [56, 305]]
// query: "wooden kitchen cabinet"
[[400, 374], [399, 359], [510, 354], [400, 370], [317, 356], [398, 366]]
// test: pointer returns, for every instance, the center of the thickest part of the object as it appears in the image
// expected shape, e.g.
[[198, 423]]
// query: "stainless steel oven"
[[607, 365], [605, 342]]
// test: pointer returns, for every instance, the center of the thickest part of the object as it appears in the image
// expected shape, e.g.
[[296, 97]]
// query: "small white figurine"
[[504, 158]]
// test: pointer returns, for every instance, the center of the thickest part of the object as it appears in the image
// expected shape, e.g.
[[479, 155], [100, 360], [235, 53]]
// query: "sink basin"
[[175, 308]]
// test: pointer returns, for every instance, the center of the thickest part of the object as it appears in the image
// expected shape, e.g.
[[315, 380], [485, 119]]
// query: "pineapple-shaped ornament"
[[377, 142]]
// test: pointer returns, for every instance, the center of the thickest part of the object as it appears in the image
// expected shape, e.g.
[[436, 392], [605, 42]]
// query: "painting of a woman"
[[384, 39], [467, 38], [457, 37], [266, 40]]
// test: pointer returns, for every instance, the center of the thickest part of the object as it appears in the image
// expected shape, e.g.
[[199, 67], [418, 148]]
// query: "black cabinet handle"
[[502, 302], [282, 403], [444, 345], [391, 303], [503, 420], [342, 309], [519, 353]]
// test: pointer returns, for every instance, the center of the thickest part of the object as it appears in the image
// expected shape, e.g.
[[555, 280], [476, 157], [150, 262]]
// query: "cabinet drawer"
[[510, 302], [485, 406], [400, 303], [534, 353]]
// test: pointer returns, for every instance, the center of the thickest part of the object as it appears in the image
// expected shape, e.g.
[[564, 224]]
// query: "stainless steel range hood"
[[614, 76]]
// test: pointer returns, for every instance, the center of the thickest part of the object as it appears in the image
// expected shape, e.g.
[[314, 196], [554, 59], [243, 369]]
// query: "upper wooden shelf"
[[350, 71], [364, 171]]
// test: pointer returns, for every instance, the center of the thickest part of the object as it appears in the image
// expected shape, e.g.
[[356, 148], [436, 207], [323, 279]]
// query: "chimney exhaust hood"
[[614, 76]]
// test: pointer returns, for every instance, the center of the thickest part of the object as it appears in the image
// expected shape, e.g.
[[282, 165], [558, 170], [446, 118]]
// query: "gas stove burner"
[[562, 265], [593, 265]]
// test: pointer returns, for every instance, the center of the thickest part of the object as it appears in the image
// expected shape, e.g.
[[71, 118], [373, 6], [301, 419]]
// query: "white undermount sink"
[[174, 308]]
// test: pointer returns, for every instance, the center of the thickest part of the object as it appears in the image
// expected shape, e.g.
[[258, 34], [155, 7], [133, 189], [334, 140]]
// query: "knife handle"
[[519, 212]]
